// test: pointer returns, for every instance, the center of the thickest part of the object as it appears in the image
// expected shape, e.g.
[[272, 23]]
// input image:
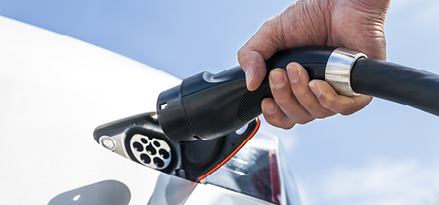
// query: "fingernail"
[[293, 73], [248, 77], [268, 107], [277, 78], [314, 89]]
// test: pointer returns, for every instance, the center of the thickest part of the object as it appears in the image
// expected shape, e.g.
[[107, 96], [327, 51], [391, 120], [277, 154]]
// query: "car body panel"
[[55, 90]]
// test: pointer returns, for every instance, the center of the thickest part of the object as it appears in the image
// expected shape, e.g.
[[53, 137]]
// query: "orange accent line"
[[233, 153]]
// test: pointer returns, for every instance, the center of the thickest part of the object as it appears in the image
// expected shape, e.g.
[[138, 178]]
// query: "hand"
[[354, 24]]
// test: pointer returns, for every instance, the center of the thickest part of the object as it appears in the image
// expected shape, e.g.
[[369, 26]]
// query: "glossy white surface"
[[209, 194], [54, 91]]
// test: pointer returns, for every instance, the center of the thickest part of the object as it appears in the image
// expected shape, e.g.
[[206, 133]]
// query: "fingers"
[[298, 101], [284, 110], [299, 80], [329, 99], [274, 115]]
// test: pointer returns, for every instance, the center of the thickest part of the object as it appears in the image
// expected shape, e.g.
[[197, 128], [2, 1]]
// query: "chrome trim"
[[338, 70], [108, 143]]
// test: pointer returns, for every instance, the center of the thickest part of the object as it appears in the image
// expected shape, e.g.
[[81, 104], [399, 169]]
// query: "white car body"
[[55, 90]]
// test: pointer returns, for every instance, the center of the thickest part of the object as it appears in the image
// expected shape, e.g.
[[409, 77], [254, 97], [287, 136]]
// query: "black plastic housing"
[[143, 124], [193, 160], [207, 106]]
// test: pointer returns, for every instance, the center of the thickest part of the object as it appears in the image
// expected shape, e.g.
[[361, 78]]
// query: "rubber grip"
[[313, 59]]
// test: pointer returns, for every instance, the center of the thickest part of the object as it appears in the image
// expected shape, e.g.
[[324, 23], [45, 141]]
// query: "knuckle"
[[273, 116], [287, 127], [279, 119], [273, 119], [268, 22], [304, 120], [284, 124], [321, 114], [282, 98], [351, 108], [242, 55], [348, 108], [329, 103], [241, 52], [348, 112], [299, 90]]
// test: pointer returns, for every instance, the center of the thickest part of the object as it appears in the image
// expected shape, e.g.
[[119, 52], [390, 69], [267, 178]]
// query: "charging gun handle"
[[207, 106]]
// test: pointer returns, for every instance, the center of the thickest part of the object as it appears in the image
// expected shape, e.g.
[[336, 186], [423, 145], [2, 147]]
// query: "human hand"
[[353, 24]]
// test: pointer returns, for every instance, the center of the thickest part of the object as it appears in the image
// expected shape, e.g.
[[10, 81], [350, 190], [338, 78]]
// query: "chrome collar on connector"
[[338, 70]]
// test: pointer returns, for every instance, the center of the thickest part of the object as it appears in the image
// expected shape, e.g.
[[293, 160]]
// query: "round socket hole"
[[151, 150], [158, 162], [163, 153], [137, 146], [157, 143], [145, 141], [145, 158]]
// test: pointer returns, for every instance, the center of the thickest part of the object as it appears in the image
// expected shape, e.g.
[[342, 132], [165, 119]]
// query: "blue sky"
[[384, 154]]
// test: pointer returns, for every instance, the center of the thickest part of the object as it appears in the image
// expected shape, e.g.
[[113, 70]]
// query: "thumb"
[[253, 64], [253, 54]]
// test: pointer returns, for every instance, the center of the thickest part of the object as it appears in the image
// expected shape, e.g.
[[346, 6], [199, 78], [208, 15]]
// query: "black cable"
[[400, 84]]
